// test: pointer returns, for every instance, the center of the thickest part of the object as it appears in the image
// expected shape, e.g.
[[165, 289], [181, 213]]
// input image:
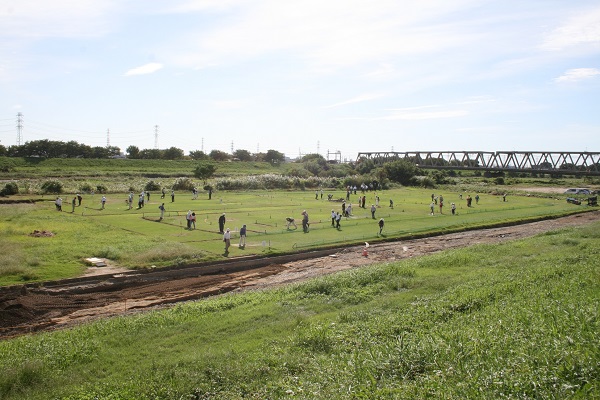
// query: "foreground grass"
[[517, 320], [137, 239]]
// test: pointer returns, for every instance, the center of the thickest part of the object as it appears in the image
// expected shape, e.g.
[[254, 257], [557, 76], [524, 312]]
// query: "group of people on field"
[[336, 217], [440, 201]]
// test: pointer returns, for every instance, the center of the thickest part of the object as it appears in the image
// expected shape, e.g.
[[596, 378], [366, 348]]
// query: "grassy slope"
[[134, 238], [517, 320]]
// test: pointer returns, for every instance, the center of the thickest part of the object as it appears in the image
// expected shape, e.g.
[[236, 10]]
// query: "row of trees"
[[57, 149]]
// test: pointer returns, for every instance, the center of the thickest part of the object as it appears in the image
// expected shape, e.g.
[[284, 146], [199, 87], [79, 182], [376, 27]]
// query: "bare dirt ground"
[[32, 308]]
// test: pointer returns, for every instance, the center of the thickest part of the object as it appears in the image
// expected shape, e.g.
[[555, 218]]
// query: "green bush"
[[6, 165], [101, 189], [427, 182], [151, 185], [86, 188], [183, 184], [9, 189], [55, 187]]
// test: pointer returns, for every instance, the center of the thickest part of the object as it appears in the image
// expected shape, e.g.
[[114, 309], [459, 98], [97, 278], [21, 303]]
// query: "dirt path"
[[26, 309]]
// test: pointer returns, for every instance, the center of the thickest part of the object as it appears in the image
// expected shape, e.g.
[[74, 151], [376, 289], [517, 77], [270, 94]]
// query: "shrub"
[[101, 189], [9, 189], [151, 185], [86, 188], [6, 165], [183, 184], [427, 182], [52, 187], [499, 180], [272, 181]]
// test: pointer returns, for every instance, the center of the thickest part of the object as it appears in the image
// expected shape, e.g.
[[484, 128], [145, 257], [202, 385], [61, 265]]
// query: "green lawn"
[[136, 238], [516, 320]]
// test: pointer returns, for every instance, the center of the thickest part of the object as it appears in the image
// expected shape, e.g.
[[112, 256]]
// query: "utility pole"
[[232, 147], [156, 136], [318, 147], [19, 128], [202, 146], [108, 138]]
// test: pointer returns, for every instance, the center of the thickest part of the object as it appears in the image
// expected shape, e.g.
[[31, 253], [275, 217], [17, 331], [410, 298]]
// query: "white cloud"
[[149, 68], [357, 99], [416, 113], [578, 74], [328, 35], [581, 29], [383, 69], [203, 5], [56, 18], [230, 104]]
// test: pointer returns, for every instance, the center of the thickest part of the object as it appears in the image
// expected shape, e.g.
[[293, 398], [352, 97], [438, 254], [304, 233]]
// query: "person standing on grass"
[[381, 223], [73, 204], [242, 237], [227, 240], [453, 208], [79, 198], [373, 209], [431, 208], [221, 223], [188, 219], [162, 193], [391, 203], [162, 211], [103, 201], [305, 223], [333, 215], [477, 199], [338, 219], [193, 220], [172, 196]]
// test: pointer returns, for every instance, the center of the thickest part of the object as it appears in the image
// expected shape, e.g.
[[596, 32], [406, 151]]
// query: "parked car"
[[578, 191]]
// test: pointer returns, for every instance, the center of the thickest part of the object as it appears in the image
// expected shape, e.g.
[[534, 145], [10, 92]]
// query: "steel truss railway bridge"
[[537, 162]]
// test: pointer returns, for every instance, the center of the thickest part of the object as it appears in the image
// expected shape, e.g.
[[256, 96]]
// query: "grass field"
[[136, 238], [517, 320]]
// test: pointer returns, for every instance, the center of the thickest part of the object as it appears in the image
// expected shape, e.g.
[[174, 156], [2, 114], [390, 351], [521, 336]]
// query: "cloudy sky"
[[303, 76]]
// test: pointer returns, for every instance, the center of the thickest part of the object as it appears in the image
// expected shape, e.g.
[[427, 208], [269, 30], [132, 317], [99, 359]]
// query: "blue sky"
[[303, 77]]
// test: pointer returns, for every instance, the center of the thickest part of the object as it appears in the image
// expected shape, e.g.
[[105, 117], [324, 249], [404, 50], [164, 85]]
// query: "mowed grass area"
[[516, 320], [136, 238]]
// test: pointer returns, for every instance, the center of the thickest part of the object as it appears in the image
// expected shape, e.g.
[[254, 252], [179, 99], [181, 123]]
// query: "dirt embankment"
[[31, 308]]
